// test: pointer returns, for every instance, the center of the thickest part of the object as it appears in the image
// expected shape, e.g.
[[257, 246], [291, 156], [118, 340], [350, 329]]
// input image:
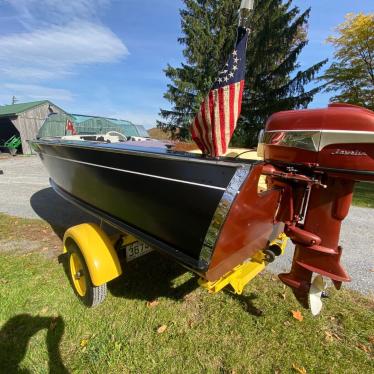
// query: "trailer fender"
[[98, 252]]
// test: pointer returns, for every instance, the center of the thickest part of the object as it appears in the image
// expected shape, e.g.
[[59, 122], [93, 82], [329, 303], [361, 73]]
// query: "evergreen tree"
[[277, 38]]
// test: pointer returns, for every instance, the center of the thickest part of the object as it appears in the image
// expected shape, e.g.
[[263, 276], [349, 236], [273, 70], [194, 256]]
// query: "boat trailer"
[[93, 261]]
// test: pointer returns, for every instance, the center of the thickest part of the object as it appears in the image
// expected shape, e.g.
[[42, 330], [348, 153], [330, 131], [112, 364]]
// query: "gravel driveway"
[[25, 192]]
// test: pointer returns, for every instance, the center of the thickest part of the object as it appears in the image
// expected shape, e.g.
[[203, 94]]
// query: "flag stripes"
[[214, 124], [216, 120]]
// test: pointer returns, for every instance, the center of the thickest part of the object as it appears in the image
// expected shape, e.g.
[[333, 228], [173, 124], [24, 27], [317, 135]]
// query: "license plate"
[[137, 249]]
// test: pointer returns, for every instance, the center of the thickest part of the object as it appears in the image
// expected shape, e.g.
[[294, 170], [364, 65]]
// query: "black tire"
[[93, 295]]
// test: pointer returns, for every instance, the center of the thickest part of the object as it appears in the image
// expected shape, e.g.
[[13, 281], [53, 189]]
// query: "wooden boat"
[[210, 214]]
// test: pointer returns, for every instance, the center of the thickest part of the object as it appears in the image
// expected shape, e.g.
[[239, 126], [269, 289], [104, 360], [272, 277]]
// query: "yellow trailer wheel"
[[78, 275], [85, 290]]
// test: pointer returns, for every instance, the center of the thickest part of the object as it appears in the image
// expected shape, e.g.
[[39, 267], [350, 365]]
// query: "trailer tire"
[[86, 291]]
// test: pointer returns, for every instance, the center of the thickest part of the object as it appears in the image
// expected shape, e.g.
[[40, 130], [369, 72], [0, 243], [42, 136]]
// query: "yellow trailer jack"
[[242, 274]]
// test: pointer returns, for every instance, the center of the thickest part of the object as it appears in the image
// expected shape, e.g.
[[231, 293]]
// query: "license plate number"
[[137, 249]]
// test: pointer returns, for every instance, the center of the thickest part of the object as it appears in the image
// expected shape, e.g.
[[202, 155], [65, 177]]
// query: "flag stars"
[[235, 53], [236, 60]]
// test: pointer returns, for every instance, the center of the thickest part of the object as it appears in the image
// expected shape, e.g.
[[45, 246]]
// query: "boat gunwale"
[[169, 154]]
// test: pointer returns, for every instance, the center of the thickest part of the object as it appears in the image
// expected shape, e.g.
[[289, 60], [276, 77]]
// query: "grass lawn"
[[43, 326], [364, 195]]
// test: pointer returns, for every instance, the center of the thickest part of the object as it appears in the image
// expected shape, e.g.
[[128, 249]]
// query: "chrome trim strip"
[[316, 140], [308, 140], [345, 137], [221, 212], [188, 157], [325, 130], [137, 173]]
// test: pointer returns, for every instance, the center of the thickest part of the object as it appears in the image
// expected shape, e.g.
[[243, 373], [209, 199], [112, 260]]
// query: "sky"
[[106, 57]]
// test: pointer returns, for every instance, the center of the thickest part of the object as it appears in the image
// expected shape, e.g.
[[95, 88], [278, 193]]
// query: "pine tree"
[[209, 28]]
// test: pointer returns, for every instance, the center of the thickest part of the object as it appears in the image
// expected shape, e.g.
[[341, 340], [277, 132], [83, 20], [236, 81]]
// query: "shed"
[[55, 125], [25, 120]]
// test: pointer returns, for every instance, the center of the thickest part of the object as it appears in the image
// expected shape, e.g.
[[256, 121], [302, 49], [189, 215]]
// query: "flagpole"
[[214, 124], [245, 9]]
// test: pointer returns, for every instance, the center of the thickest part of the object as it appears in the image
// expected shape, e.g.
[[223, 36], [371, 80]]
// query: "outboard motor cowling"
[[316, 156]]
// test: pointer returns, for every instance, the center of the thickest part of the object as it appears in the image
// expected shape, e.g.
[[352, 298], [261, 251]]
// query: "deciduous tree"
[[351, 75]]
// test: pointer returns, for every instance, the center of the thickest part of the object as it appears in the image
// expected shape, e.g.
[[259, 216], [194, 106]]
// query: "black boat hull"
[[170, 200]]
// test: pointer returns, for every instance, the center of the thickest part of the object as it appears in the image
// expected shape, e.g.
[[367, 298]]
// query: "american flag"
[[216, 120]]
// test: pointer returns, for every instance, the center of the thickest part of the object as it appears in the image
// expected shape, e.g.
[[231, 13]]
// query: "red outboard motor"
[[316, 156]]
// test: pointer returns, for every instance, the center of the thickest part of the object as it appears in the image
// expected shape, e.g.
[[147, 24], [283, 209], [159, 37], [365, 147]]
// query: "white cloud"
[[54, 52], [61, 36], [26, 92], [36, 13]]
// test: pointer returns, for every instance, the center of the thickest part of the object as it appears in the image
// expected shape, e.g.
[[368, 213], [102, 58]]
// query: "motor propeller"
[[315, 295]]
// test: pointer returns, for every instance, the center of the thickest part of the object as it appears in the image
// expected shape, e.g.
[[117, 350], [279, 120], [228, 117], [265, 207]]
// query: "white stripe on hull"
[[137, 173]]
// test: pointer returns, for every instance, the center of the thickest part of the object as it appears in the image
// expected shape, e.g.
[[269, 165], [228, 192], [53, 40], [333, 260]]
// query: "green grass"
[[364, 195], [42, 324]]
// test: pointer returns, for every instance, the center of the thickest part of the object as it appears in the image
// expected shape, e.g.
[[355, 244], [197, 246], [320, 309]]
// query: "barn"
[[24, 120]]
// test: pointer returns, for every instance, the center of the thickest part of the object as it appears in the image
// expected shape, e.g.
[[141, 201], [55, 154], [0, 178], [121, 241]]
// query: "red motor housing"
[[339, 139], [316, 156]]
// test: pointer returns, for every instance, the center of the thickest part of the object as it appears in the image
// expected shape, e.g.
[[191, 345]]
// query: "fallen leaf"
[[283, 296], [84, 343], [328, 336], [300, 370], [371, 339], [287, 323], [161, 329], [363, 347], [297, 315], [44, 310], [44, 231], [152, 304], [336, 336]]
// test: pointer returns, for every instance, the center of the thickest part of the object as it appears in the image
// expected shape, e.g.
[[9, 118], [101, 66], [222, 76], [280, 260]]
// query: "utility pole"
[[14, 100]]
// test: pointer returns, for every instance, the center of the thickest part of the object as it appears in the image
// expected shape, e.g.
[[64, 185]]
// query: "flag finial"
[[246, 7], [247, 4]]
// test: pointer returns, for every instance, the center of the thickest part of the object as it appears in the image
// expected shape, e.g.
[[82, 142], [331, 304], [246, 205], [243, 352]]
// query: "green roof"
[[14, 109]]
